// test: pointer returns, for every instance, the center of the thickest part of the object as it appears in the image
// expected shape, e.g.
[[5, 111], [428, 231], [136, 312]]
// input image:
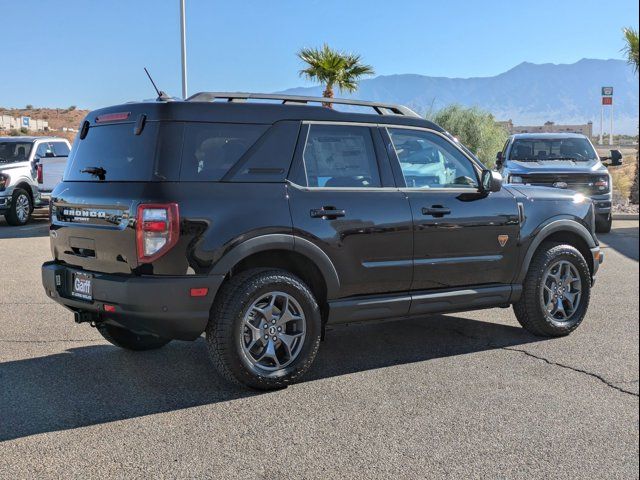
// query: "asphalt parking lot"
[[469, 395]]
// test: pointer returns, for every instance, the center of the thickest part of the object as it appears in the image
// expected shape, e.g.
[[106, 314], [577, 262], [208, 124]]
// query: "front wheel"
[[556, 291], [21, 208], [123, 338], [264, 331], [603, 223]]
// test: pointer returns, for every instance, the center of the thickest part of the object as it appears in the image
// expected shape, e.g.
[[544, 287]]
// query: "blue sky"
[[90, 53]]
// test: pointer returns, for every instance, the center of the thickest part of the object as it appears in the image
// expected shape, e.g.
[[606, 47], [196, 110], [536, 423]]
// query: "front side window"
[[11, 152], [340, 156], [429, 161]]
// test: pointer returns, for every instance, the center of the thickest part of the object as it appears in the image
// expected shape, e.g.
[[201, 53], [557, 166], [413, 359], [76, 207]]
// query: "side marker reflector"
[[199, 292]]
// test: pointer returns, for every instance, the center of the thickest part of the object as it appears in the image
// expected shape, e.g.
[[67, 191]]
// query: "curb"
[[625, 216]]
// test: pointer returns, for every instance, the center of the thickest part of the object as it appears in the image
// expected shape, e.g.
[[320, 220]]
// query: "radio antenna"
[[163, 97]]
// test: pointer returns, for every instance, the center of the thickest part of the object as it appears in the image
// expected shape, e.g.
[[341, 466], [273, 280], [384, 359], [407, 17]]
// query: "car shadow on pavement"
[[100, 383], [623, 240], [37, 227]]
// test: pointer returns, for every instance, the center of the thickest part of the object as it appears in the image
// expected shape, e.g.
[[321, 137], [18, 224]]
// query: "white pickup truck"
[[30, 167]]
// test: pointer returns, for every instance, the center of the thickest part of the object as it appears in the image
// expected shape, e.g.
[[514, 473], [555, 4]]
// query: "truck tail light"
[[157, 230], [39, 173]]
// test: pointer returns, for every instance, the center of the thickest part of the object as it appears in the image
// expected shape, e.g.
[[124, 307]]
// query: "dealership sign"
[[607, 91]]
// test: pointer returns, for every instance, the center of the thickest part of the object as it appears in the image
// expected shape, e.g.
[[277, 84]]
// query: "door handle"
[[328, 213], [436, 211]]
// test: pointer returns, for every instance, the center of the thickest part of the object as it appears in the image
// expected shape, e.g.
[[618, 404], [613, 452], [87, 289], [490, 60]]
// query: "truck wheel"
[[123, 338], [264, 330], [603, 223], [556, 291], [21, 208]]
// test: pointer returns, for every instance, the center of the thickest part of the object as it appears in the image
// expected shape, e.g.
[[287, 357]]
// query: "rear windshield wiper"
[[95, 171]]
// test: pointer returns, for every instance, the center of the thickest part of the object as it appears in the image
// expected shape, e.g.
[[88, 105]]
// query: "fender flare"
[[282, 242], [562, 225]]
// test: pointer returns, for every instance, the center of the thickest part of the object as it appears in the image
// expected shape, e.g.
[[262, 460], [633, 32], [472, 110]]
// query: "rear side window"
[[340, 156], [211, 149]]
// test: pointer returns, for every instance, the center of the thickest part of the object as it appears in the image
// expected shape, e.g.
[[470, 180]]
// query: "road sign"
[[607, 100], [607, 91], [25, 121]]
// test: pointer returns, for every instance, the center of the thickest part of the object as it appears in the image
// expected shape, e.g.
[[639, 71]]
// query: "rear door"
[[343, 198], [461, 237]]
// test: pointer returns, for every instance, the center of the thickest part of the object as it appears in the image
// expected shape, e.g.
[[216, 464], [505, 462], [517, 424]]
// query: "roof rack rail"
[[379, 108]]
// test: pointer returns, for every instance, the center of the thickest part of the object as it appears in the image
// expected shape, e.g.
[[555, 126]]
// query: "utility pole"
[[611, 128], [601, 124], [183, 35]]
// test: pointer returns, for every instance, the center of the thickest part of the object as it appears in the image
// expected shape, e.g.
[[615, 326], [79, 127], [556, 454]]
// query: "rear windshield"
[[576, 149], [164, 151]]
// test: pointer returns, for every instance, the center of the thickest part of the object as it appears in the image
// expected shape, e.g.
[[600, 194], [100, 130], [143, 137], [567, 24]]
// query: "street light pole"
[[183, 35]]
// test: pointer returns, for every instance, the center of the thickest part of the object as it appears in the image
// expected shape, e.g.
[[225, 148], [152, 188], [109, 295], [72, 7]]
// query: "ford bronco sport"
[[561, 160], [260, 219]]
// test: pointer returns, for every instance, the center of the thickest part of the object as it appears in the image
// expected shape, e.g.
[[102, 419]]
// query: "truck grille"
[[582, 183]]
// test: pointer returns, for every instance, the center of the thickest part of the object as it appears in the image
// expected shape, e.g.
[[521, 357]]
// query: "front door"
[[461, 237], [344, 200]]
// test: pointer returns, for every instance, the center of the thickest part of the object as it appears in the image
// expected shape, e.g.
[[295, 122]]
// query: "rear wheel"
[[21, 208], [556, 291], [264, 331], [603, 223], [123, 338]]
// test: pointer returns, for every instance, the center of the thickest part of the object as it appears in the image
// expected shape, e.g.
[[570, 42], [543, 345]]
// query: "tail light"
[[157, 230], [39, 173]]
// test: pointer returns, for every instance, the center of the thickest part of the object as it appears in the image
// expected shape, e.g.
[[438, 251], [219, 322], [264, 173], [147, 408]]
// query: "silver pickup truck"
[[30, 167]]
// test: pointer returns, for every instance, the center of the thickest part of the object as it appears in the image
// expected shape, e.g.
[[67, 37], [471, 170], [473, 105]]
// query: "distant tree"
[[332, 68], [72, 108], [631, 52], [23, 130], [29, 107], [475, 128]]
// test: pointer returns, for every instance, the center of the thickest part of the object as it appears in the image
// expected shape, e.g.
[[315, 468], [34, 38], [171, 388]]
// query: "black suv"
[[561, 160], [260, 219]]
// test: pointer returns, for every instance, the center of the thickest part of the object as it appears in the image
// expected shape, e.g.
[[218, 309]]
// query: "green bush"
[[475, 128]]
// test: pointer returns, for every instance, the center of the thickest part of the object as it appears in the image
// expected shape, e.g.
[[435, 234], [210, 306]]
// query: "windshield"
[[11, 152], [543, 149]]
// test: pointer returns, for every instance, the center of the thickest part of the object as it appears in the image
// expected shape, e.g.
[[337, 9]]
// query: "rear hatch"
[[118, 161]]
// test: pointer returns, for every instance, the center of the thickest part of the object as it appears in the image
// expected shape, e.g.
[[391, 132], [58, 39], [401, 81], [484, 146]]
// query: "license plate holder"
[[82, 286]]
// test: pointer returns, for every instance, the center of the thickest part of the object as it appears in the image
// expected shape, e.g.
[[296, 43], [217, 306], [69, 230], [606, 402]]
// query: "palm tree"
[[333, 68], [631, 51]]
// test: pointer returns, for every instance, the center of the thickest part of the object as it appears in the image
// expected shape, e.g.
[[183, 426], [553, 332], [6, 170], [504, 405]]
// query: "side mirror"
[[499, 160], [490, 181], [616, 158], [49, 154]]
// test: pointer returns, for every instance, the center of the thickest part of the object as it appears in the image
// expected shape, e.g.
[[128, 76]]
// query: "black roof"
[[194, 110]]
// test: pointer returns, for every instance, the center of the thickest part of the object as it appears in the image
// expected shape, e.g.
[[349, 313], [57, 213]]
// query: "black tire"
[[225, 329], [13, 218], [603, 223], [123, 338], [529, 309]]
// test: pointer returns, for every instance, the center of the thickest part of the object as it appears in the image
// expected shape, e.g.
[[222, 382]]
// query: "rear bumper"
[[146, 304]]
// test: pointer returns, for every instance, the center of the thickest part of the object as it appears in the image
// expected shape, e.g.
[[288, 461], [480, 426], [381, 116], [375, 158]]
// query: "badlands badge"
[[503, 239]]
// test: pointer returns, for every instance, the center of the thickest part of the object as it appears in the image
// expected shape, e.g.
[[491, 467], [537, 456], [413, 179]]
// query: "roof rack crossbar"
[[379, 108]]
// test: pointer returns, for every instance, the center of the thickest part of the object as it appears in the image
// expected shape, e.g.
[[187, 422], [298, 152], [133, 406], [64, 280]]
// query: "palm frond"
[[631, 46]]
